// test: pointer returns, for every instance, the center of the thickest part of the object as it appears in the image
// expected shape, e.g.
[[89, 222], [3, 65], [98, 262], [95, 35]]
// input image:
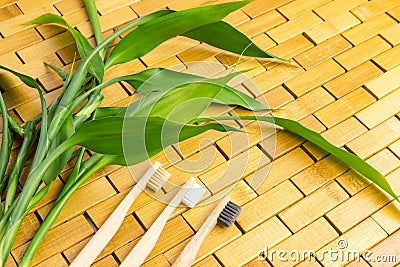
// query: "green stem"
[[89, 167], [6, 144], [4, 160], [29, 190], [4, 220], [37, 197], [74, 174], [94, 19], [14, 125], [43, 144], [19, 163]]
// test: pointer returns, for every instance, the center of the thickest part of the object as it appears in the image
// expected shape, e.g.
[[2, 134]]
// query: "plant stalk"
[[74, 174], [34, 178], [89, 167], [6, 142], [19, 163], [94, 19], [43, 144], [27, 193], [14, 125]]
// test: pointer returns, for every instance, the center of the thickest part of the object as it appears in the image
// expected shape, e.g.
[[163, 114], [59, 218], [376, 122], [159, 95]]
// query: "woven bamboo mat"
[[345, 86]]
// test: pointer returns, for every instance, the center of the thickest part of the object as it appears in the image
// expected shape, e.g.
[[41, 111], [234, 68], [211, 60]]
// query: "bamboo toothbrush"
[[189, 195], [225, 214], [154, 178]]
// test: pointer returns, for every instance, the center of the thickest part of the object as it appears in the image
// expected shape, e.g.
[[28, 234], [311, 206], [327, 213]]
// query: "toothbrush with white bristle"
[[225, 214], [189, 194], [154, 178]]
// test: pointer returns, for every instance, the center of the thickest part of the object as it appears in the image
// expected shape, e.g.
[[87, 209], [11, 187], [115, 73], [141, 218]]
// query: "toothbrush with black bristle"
[[225, 214], [189, 194]]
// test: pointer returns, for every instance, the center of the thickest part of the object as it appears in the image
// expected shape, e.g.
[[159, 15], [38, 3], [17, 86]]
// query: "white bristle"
[[193, 195], [158, 179]]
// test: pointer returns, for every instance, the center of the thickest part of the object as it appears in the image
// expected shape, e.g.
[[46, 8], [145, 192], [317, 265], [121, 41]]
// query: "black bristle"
[[229, 214]]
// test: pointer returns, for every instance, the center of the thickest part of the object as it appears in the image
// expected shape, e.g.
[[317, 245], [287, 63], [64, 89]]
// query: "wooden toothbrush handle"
[[98, 242], [189, 253], [146, 244]]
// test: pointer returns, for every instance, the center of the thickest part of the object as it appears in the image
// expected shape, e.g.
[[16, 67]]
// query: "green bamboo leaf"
[[84, 48], [159, 79], [185, 103], [136, 137], [24, 78], [63, 75], [43, 145], [29, 81], [103, 112], [182, 104], [232, 97], [224, 36], [150, 17], [148, 36], [348, 158], [73, 87]]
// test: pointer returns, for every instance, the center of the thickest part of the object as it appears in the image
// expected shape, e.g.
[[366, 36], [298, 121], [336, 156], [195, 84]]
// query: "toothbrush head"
[[229, 214], [159, 177], [193, 195]]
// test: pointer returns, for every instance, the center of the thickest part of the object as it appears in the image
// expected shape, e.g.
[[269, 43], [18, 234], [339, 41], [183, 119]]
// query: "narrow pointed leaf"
[[163, 80], [65, 132], [24, 78], [63, 75], [182, 104], [42, 145], [151, 34], [160, 79], [222, 35], [103, 112], [135, 137], [29, 81], [84, 48], [348, 158]]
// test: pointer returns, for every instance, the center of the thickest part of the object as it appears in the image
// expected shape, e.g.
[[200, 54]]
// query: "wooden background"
[[345, 85]]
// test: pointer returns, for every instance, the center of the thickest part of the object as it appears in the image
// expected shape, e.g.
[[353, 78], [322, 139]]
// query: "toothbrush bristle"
[[193, 195], [158, 179], [229, 214]]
